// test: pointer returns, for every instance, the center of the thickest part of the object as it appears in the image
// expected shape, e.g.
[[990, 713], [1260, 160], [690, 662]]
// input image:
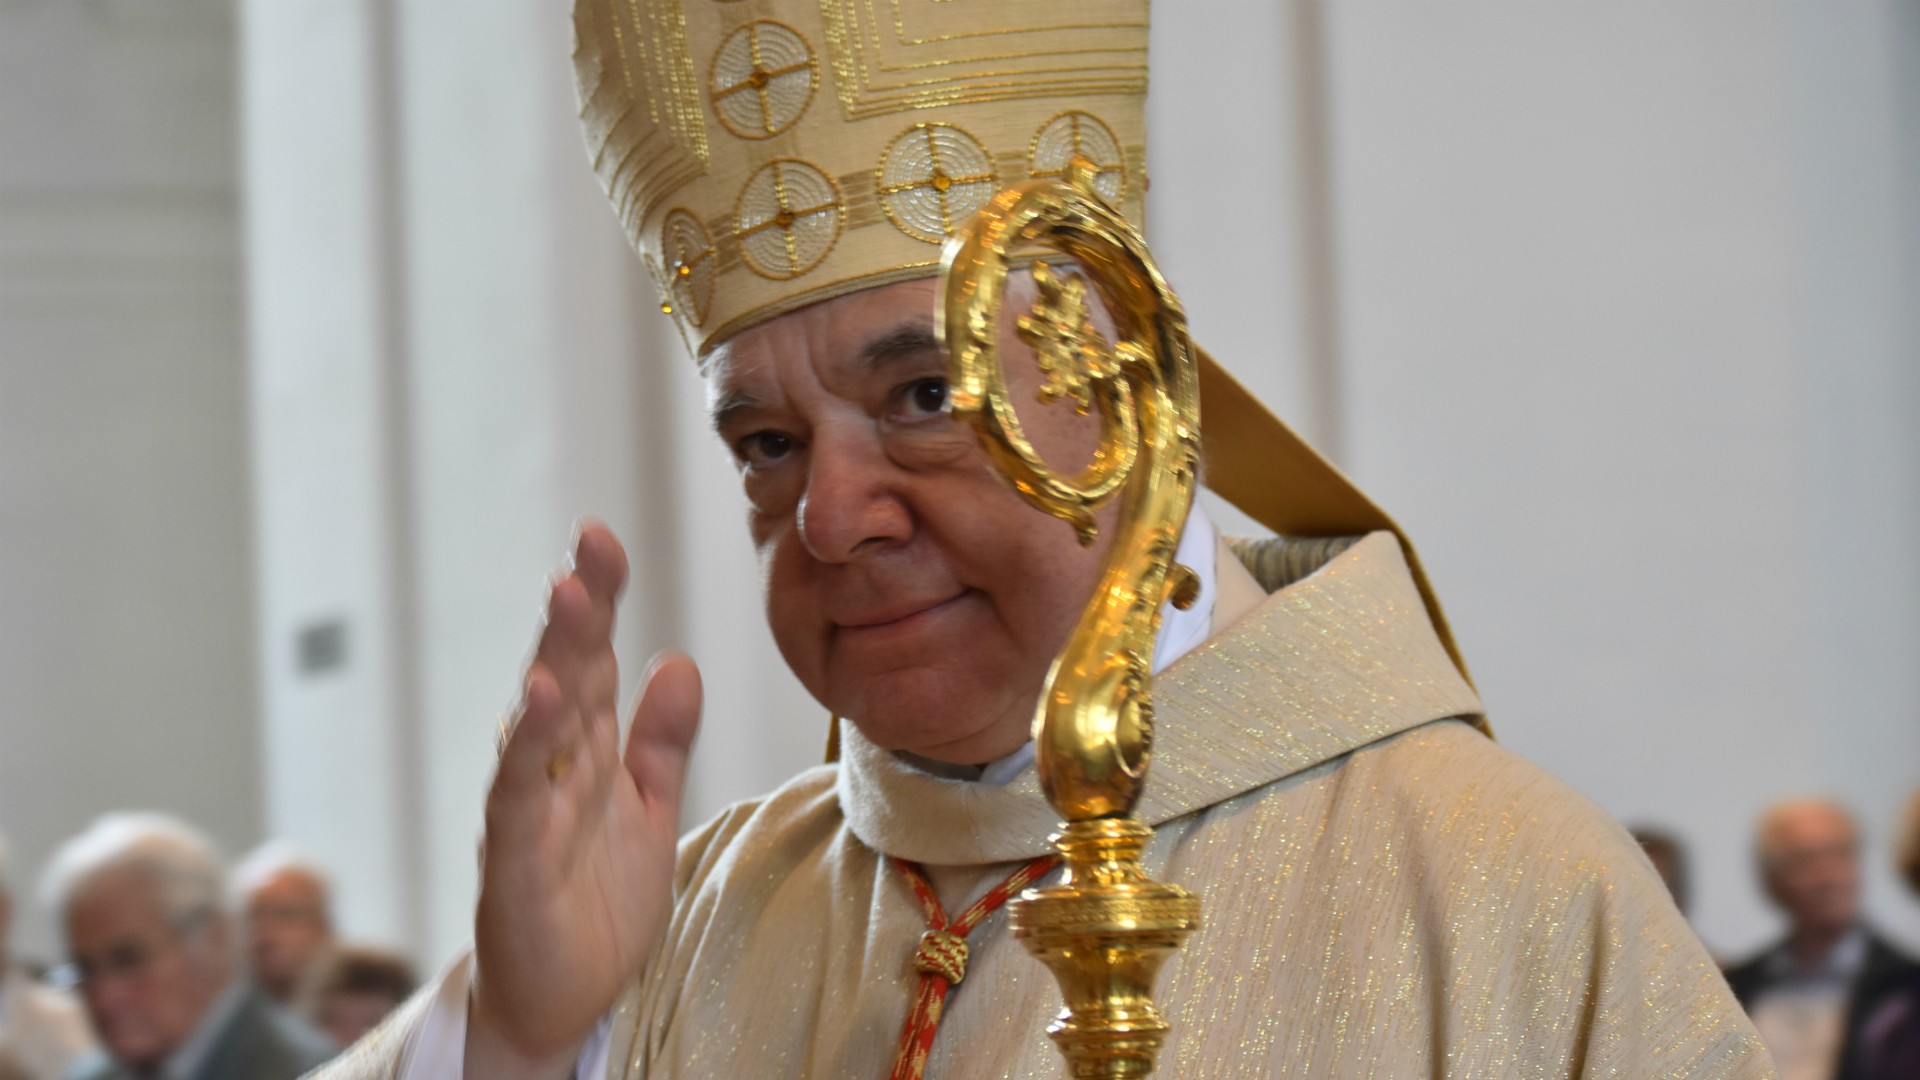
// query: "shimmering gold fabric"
[[1387, 892]]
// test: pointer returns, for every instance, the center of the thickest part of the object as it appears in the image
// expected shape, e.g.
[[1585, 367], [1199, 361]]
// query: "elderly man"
[[139, 896], [1810, 993], [42, 1031], [1387, 892], [289, 917]]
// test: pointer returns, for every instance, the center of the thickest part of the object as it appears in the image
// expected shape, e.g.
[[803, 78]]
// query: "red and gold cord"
[[942, 956]]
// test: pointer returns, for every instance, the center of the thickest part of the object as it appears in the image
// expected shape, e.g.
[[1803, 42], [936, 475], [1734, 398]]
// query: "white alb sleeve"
[[437, 1049]]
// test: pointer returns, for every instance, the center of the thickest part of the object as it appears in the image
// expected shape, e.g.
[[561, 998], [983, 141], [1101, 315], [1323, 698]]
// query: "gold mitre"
[[767, 154]]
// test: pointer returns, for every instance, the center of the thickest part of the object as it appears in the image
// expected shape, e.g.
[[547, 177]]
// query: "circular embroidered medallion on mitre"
[[688, 255], [787, 219], [763, 78], [932, 178], [1082, 135]]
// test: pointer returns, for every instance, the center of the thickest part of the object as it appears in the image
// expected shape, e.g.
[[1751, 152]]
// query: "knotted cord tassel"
[[941, 958]]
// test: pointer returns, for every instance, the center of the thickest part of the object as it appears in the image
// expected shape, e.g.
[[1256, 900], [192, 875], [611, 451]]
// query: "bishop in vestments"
[[1387, 892]]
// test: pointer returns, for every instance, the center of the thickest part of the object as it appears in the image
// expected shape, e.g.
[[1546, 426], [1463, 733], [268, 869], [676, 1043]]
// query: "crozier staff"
[[1388, 892]]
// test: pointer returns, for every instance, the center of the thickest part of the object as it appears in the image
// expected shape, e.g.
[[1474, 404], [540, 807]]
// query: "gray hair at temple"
[[174, 856], [268, 861]]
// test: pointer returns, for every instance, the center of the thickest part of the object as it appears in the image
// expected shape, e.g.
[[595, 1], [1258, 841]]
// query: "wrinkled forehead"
[[847, 336]]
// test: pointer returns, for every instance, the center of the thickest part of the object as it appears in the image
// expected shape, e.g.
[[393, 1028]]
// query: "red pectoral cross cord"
[[941, 958]]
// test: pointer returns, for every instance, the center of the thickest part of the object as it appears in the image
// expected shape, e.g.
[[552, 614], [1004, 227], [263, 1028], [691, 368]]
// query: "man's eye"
[[928, 395], [763, 447]]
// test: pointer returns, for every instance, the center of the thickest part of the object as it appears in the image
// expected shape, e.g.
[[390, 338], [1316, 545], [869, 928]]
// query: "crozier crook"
[[1106, 928]]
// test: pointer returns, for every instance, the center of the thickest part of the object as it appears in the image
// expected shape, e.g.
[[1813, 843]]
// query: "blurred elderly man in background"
[[42, 1031], [1809, 993], [1887, 1045], [289, 916], [139, 897]]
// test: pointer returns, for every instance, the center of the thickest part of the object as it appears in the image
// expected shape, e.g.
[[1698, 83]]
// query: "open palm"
[[577, 863]]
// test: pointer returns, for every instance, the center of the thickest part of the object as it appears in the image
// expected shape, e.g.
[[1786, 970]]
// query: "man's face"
[[147, 981], [286, 929], [908, 587], [1813, 868]]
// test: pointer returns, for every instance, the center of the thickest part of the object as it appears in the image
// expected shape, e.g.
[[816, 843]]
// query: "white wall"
[[125, 630], [1624, 337], [456, 357]]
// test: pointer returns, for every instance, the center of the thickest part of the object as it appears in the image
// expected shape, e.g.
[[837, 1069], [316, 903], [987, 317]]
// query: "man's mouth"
[[895, 618]]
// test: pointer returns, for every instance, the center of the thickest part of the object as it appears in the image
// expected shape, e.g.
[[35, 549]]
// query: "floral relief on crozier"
[[1072, 355]]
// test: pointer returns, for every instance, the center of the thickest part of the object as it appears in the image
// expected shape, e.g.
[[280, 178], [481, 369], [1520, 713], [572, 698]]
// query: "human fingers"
[[599, 564], [541, 744], [579, 638], [600, 560], [581, 601], [664, 725]]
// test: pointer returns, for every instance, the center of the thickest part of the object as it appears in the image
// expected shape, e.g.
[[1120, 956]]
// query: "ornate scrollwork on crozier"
[[1106, 928], [1072, 355]]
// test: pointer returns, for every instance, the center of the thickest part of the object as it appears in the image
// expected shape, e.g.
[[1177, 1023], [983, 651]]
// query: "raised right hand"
[[577, 864]]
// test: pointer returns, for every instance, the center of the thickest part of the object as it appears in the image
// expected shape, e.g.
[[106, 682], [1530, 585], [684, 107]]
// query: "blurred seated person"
[[1669, 860], [289, 917], [1889, 1044], [351, 990], [42, 1031], [139, 898], [1809, 992]]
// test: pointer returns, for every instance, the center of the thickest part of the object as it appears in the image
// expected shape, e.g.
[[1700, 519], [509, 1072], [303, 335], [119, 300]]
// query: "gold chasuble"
[[1388, 893]]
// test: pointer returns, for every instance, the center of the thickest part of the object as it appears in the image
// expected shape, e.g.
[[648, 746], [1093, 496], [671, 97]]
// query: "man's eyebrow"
[[907, 341], [729, 404], [904, 342]]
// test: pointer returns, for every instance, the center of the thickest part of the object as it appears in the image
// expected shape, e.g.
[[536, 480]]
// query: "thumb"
[[664, 724]]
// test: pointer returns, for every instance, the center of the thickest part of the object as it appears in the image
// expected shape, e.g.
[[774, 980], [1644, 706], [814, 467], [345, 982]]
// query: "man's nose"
[[853, 504]]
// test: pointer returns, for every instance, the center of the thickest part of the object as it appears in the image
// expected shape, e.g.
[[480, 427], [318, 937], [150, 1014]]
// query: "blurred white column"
[[126, 619], [339, 725], [456, 356]]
